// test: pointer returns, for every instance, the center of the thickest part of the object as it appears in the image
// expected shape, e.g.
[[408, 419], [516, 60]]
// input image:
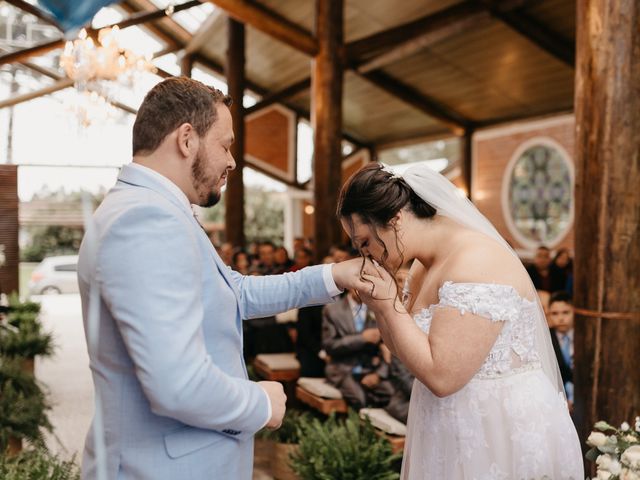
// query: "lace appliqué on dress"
[[497, 303], [508, 406]]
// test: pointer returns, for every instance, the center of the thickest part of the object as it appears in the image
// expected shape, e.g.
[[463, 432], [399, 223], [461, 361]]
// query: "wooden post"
[[326, 120], [234, 196], [607, 229], [9, 226], [186, 65], [465, 164]]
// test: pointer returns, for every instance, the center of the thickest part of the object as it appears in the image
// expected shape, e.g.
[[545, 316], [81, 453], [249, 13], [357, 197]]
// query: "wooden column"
[[234, 196], [465, 163], [9, 254], [186, 65], [326, 121], [607, 222]]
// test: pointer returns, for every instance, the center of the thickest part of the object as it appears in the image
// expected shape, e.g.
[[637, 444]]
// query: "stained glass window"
[[541, 194]]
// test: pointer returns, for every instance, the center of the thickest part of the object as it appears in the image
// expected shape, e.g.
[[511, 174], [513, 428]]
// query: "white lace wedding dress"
[[508, 422]]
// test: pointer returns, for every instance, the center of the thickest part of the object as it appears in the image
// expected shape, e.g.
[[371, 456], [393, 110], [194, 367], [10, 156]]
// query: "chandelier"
[[99, 69]]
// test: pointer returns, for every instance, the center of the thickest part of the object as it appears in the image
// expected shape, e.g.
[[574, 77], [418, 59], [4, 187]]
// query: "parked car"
[[55, 275]]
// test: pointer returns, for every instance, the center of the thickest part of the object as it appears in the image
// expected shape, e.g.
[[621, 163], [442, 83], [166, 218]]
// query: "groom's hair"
[[171, 103]]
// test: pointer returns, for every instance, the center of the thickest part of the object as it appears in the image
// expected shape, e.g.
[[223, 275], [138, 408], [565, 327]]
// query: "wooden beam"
[[427, 29], [157, 28], [166, 28], [186, 65], [200, 37], [494, 122], [281, 95], [454, 121], [35, 11], [136, 19], [536, 32], [424, 41], [25, 97], [326, 121], [234, 195], [269, 22], [607, 227]]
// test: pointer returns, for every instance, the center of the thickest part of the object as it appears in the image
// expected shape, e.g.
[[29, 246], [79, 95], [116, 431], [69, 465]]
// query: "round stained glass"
[[540, 194]]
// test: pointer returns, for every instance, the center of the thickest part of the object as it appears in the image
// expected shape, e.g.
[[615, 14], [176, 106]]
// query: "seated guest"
[[560, 270], [241, 263], [302, 258], [539, 270], [402, 380], [561, 317], [350, 339], [266, 258], [282, 261]]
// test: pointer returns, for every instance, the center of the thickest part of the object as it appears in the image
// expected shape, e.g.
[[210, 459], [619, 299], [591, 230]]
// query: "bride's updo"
[[376, 195]]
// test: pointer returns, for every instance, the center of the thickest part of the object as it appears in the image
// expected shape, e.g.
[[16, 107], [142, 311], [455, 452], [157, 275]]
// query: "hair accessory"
[[387, 168]]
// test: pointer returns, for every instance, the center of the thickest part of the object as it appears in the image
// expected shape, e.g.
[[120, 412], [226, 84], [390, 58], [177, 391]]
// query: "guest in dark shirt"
[[539, 270]]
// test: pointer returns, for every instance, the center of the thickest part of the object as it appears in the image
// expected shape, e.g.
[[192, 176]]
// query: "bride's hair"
[[377, 195]]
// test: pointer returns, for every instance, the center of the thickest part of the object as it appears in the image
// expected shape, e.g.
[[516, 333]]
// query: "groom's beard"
[[200, 179]]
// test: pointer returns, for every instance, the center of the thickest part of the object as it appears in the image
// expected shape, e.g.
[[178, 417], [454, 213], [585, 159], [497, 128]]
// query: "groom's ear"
[[187, 139]]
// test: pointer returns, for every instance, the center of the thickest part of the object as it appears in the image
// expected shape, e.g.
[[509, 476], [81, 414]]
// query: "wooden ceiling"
[[415, 68], [444, 65]]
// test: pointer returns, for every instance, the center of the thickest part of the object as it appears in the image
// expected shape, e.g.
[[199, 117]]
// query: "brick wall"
[[493, 149]]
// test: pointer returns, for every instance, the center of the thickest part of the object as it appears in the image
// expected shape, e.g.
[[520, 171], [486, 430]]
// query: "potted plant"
[[285, 443], [22, 335], [348, 449], [37, 464], [23, 408]]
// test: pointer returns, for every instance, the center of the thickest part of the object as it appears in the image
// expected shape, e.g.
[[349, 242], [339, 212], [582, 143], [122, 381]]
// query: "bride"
[[488, 401]]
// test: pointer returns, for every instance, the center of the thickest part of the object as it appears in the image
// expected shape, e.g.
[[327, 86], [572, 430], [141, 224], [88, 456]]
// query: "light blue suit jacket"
[[168, 366]]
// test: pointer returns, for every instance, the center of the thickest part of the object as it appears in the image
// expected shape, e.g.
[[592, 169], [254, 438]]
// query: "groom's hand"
[[278, 399], [346, 274]]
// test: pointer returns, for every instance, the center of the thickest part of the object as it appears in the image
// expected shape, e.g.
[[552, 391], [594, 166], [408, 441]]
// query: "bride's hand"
[[377, 287]]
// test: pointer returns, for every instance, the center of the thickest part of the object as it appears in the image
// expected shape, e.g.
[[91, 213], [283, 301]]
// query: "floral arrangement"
[[616, 451]]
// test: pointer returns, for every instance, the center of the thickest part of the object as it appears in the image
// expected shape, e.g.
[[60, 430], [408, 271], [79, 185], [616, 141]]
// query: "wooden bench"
[[277, 367], [324, 405], [397, 443], [319, 394], [393, 430]]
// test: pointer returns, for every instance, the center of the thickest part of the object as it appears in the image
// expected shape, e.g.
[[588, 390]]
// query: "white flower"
[[629, 438], [608, 463], [631, 456], [603, 475], [627, 474], [624, 427], [638, 424], [597, 439]]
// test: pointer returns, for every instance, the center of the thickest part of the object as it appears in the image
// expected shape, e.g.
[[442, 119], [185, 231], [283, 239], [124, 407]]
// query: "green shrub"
[[15, 305], [22, 334], [290, 429], [37, 464], [23, 407], [346, 449]]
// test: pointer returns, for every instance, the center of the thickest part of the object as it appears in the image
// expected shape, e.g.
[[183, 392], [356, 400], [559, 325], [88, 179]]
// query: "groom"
[[174, 399]]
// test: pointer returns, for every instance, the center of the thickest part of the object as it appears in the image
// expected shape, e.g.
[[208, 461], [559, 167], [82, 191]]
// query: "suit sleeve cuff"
[[329, 283], [269, 409]]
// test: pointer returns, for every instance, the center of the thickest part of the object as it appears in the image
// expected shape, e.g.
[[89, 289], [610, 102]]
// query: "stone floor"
[[67, 378]]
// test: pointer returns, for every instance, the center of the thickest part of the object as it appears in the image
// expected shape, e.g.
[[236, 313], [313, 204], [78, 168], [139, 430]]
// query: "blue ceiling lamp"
[[72, 15]]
